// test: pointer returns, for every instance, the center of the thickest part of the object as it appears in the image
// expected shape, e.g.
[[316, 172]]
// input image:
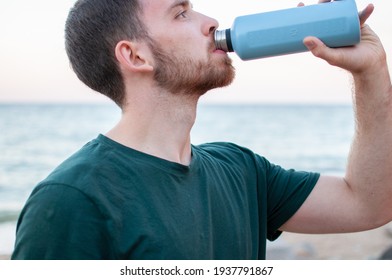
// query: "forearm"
[[369, 169], [372, 96]]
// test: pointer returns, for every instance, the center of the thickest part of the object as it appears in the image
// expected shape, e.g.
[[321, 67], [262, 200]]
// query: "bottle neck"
[[223, 40]]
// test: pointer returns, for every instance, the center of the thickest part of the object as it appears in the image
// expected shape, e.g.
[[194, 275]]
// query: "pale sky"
[[34, 66]]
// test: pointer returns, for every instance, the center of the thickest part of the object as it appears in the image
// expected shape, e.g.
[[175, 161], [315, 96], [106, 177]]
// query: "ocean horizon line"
[[201, 103]]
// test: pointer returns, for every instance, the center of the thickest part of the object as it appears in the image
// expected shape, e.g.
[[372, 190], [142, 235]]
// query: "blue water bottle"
[[282, 32]]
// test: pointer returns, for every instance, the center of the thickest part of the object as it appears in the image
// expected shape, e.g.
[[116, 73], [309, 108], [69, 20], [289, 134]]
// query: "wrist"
[[373, 80]]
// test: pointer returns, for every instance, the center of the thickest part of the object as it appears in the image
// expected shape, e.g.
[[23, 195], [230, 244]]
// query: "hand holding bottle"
[[366, 56]]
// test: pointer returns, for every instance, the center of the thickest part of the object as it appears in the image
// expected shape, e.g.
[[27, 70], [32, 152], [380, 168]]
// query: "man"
[[143, 191]]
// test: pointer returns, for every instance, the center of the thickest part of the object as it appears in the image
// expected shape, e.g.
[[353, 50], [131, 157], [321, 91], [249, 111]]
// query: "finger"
[[366, 13], [312, 43], [319, 49], [301, 4]]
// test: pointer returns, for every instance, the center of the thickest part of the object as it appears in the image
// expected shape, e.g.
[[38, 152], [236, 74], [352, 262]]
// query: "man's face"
[[181, 41]]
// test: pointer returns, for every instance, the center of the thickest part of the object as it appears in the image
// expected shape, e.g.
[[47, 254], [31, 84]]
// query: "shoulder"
[[233, 153], [224, 149], [83, 168], [81, 179]]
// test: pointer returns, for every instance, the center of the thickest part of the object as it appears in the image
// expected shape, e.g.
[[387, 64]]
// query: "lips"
[[219, 51]]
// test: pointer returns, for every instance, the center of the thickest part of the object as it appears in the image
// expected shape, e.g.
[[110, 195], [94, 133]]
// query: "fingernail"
[[310, 44]]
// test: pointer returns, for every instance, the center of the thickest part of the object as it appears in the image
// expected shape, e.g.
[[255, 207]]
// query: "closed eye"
[[183, 6], [182, 15]]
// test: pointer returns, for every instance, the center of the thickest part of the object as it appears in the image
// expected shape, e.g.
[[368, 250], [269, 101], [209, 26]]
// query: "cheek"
[[185, 43], [184, 38]]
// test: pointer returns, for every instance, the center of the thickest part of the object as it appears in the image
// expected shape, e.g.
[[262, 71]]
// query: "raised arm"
[[363, 198]]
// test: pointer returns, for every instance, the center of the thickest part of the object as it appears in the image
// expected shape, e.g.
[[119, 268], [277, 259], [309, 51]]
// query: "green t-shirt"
[[108, 201]]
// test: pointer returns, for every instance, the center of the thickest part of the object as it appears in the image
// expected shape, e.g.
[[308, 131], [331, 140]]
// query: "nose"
[[209, 25]]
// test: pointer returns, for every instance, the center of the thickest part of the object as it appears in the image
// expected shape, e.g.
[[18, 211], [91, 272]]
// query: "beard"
[[187, 76]]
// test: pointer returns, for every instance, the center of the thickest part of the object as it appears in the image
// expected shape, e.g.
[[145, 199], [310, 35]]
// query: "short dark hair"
[[92, 31]]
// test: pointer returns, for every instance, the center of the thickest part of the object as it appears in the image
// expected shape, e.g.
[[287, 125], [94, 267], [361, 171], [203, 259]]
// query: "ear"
[[133, 56]]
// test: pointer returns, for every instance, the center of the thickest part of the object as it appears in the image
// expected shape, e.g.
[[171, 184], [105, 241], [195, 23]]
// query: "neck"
[[159, 126]]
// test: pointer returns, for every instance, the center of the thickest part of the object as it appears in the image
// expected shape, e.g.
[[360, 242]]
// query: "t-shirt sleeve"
[[286, 191], [60, 223]]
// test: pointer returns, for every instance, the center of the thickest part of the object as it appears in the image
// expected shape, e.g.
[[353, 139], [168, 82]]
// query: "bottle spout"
[[223, 40]]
